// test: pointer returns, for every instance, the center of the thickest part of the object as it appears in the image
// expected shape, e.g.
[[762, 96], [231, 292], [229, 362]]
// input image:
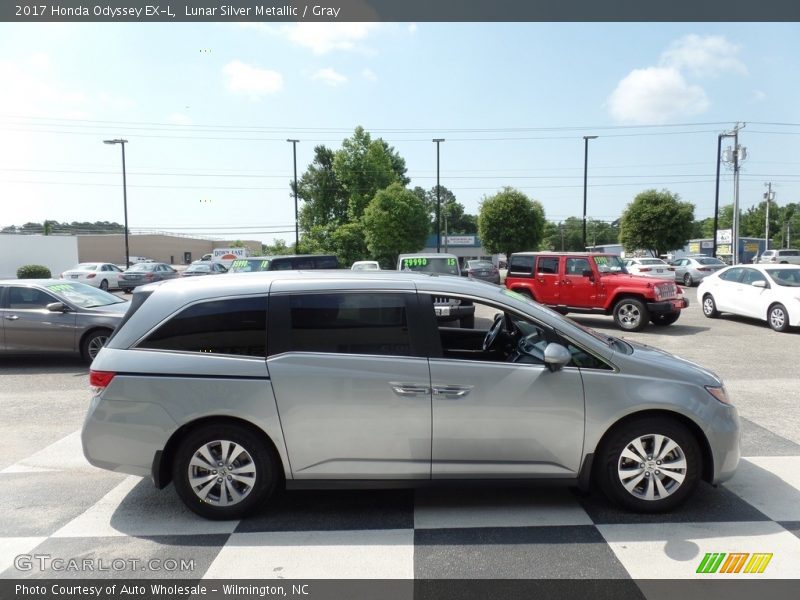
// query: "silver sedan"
[[51, 315]]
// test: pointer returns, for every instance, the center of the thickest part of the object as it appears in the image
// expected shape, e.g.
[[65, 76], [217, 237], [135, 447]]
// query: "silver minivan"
[[234, 386]]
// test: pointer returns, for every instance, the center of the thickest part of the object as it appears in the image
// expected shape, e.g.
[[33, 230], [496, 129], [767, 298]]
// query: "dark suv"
[[447, 309], [290, 262]]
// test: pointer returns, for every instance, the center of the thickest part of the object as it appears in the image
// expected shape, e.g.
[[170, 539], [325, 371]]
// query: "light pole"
[[586, 139], [438, 141], [296, 220], [124, 195]]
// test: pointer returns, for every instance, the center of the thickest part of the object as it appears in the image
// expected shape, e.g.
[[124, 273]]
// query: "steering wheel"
[[494, 332]]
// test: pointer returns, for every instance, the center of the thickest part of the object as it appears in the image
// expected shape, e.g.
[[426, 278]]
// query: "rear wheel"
[[224, 471], [650, 465], [777, 318], [664, 319], [687, 280], [710, 307], [126, 290], [631, 314], [93, 343]]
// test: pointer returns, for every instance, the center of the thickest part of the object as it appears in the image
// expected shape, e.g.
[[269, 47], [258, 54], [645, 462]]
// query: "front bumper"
[[667, 306]]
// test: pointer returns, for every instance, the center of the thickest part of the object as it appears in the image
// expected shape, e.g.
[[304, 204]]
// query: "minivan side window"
[[235, 326], [352, 323]]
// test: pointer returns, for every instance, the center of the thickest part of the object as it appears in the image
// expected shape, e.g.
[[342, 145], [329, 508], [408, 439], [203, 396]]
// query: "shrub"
[[33, 272]]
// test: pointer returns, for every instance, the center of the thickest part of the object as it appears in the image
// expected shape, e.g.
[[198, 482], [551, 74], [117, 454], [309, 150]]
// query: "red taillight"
[[703, 269], [148, 276], [99, 380], [90, 275], [670, 268], [645, 269]]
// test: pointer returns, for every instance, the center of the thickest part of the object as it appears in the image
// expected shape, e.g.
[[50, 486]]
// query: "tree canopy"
[[510, 222], [395, 222], [657, 221]]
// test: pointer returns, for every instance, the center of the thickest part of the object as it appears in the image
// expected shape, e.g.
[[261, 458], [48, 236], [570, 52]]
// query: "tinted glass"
[[789, 253], [230, 326], [751, 275], [521, 264], [349, 324], [732, 275], [330, 262], [785, 277], [28, 298], [82, 295], [547, 264], [710, 261], [576, 266]]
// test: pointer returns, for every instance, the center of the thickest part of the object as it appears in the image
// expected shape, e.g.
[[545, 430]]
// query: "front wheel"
[[687, 280], [650, 465], [777, 318], [664, 319], [631, 314], [710, 307], [224, 471], [104, 285]]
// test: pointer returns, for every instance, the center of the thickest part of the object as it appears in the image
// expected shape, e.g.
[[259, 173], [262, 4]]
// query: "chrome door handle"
[[11, 317], [409, 389], [454, 391]]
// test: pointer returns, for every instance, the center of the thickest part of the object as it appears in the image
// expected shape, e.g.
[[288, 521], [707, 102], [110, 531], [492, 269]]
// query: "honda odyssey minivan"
[[232, 387]]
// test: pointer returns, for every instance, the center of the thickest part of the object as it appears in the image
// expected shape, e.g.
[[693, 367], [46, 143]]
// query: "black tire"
[[778, 318], [710, 307], [467, 322], [664, 319], [255, 455], [126, 290], [104, 285], [672, 491], [93, 342], [687, 280], [630, 314]]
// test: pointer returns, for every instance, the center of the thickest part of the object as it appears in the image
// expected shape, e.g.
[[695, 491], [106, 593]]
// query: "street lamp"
[[768, 195], [296, 221], [586, 139], [124, 195], [438, 141]]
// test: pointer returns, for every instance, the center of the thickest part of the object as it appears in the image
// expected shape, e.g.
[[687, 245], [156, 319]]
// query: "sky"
[[207, 108]]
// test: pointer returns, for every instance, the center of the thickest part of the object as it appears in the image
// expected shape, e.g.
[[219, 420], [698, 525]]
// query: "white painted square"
[[771, 484], [374, 554], [144, 511], [446, 509], [11, 547], [64, 455], [675, 550]]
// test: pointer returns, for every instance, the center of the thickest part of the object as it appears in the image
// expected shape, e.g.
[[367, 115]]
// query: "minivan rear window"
[[235, 326]]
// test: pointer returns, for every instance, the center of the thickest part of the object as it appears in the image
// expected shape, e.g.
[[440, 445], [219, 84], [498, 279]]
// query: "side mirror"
[[57, 307], [760, 284], [556, 356]]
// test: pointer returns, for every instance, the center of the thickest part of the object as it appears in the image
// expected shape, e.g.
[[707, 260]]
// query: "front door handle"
[[452, 391], [409, 389]]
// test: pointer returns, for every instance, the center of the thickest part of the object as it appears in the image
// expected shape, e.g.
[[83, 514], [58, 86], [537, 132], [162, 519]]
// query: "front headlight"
[[719, 393]]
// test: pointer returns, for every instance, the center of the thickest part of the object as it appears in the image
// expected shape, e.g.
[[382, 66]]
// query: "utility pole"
[[296, 217], [768, 195], [586, 139], [736, 156]]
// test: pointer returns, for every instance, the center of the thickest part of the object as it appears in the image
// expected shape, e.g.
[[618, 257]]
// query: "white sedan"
[[770, 293], [100, 275], [650, 267]]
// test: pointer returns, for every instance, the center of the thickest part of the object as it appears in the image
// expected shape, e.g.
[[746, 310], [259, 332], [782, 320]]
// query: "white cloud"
[[703, 55], [329, 76], [31, 88], [322, 38], [252, 81], [655, 95], [369, 75]]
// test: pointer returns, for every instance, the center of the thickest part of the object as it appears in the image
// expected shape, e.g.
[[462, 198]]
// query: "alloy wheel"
[[222, 473], [652, 467]]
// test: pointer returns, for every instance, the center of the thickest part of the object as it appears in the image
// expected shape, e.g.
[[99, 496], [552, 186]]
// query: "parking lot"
[[55, 504]]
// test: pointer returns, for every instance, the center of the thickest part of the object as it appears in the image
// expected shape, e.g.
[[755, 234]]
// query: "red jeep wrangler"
[[584, 282]]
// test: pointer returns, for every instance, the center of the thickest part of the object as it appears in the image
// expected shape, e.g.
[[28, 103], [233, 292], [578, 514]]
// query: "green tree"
[[395, 222], [656, 221], [348, 243], [510, 222], [364, 166], [277, 248]]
